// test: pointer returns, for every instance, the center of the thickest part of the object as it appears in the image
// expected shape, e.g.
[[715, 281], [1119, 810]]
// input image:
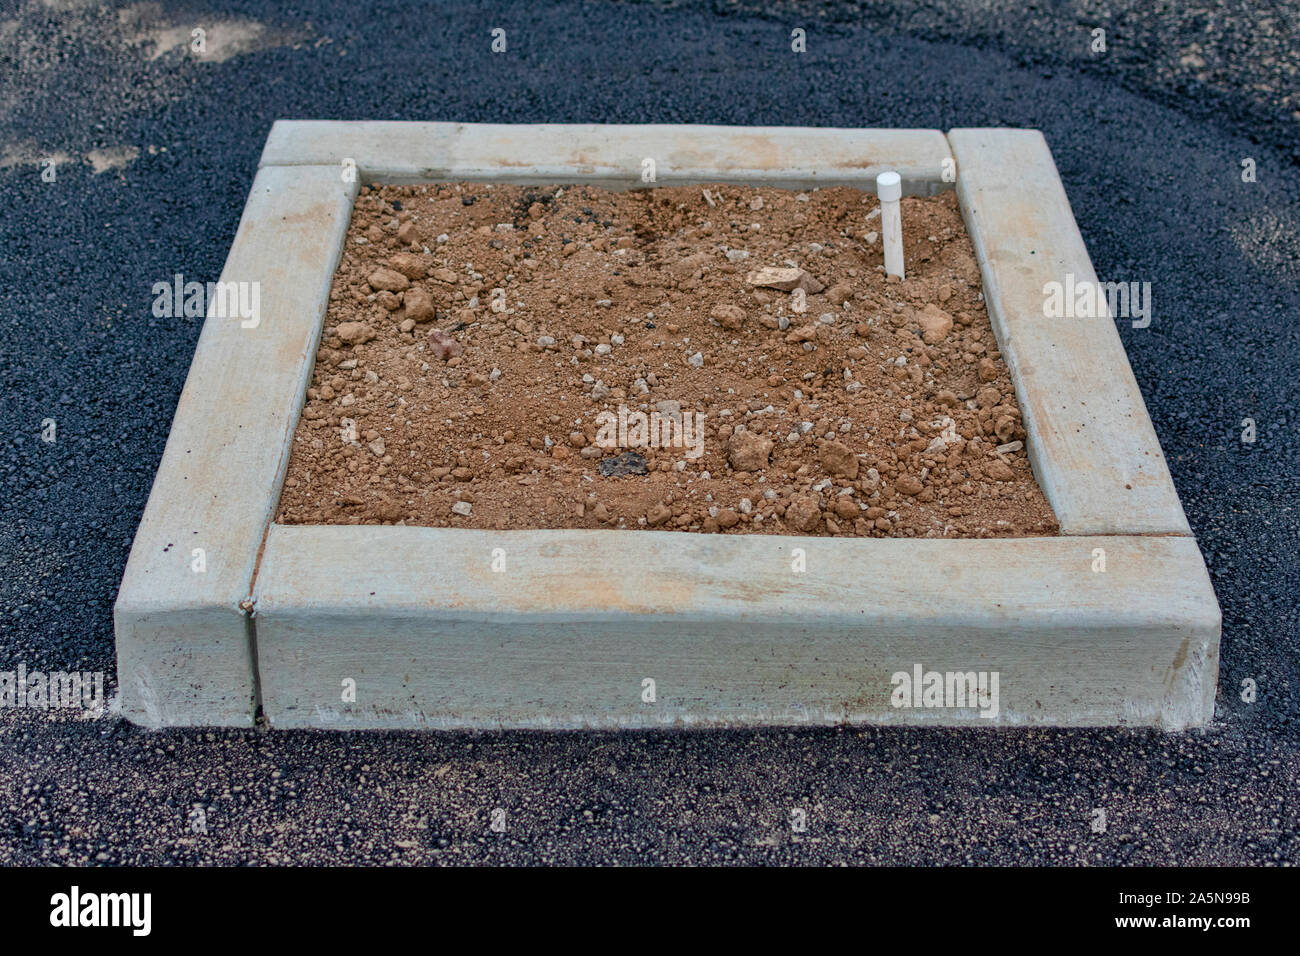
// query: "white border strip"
[[613, 155], [1091, 442], [432, 636], [182, 640]]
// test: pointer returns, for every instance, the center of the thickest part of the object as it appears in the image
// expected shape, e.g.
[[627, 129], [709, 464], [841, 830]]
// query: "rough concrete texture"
[[728, 634], [1151, 162], [1095, 455], [183, 652], [612, 155]]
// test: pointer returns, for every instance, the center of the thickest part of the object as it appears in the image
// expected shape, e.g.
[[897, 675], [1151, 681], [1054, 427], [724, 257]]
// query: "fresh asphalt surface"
[[1149, 139]]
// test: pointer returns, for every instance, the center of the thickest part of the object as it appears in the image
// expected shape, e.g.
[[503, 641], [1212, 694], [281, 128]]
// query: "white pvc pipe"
[[889, 187]]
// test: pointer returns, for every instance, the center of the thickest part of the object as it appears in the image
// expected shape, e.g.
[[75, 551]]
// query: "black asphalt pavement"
[[155, 152]]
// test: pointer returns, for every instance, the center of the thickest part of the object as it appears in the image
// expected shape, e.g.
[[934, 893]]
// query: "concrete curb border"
[[1092, 445], [731, 637], [611, 155], [432, 638], [183, 639]]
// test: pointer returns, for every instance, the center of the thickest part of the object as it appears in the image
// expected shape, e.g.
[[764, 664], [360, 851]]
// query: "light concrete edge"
[[612, 155], [561, 638], [1091, 443], [183, 637]]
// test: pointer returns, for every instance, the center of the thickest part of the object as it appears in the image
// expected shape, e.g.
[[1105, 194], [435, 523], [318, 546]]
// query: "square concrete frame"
[[284, 616]]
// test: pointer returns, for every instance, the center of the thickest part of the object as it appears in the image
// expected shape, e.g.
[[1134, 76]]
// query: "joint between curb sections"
[[249, 609]]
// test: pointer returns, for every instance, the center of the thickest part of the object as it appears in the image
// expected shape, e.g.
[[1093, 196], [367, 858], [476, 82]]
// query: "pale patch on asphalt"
[[115, 157], [143, 25], [222, 39], [1270, 243], [123, 42], [27, 153]]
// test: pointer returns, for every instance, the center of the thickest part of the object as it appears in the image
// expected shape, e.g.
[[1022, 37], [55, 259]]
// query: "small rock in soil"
[[786, 280], [909, 485], [628, 463], [443, 345], [408, 264], [935, 324], [729, 316], [747, 452], [388, 280], [355, 333], [419, 306], [839, 460], [804, 513]]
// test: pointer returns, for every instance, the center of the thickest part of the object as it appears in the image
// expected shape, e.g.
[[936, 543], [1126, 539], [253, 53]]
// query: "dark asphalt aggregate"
[[1150, 148]]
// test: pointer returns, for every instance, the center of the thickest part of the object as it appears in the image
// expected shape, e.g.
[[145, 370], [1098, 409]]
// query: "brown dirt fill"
[[767, 375]]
